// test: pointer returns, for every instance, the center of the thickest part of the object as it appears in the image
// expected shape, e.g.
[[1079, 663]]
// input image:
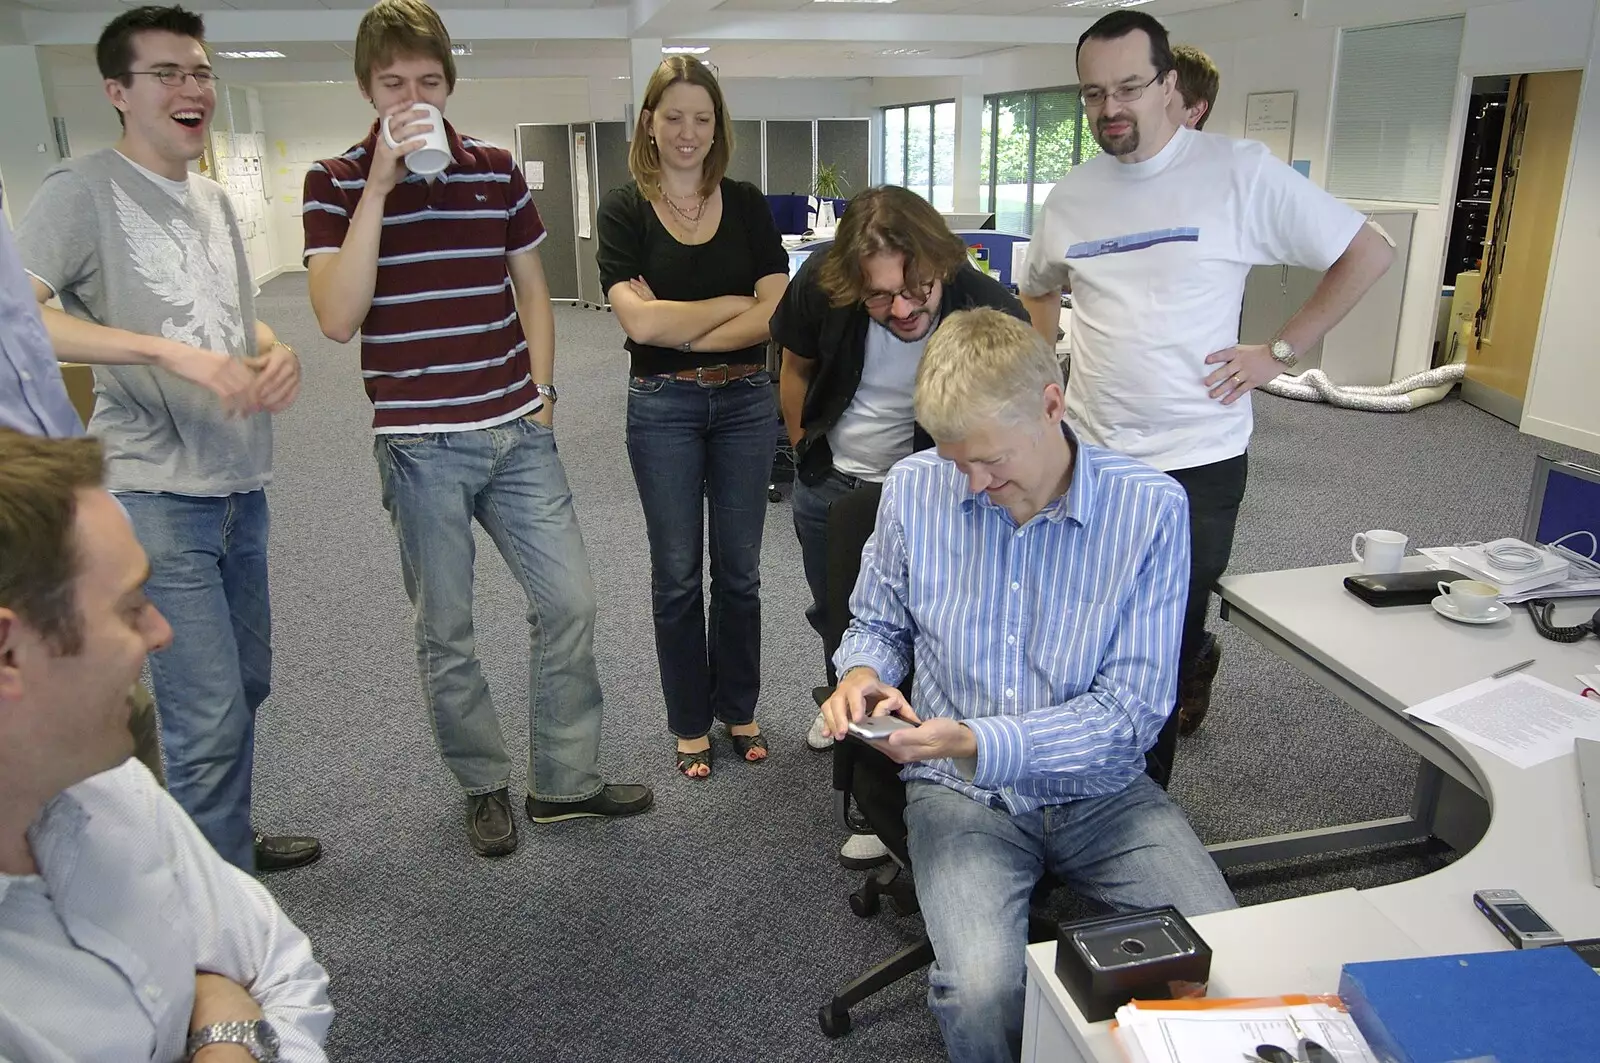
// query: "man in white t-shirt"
[[1155, 239]]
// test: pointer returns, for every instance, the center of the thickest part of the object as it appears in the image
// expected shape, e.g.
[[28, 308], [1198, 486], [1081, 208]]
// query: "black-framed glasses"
[[1094, 96], [173, 78], [917, 296]]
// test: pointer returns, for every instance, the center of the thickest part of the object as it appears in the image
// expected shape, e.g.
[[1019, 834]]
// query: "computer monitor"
[[1564, 509], [796, 260]]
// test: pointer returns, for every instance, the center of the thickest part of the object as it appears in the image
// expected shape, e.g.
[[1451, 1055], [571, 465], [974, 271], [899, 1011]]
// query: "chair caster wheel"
[[773, 495], [863, 904], [835, 1023], [905, 905]]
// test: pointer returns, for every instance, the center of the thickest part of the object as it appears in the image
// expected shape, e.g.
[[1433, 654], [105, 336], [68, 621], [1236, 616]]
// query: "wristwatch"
[[686, 346], [257, 1037], [547, 392], [1284, 353]]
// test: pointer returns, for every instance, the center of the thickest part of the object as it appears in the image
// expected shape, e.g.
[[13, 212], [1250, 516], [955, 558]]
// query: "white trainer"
[[862, 852], [815, 738]]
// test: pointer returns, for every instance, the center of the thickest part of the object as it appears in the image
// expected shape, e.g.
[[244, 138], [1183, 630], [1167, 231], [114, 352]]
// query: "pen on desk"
[[1519, 666]]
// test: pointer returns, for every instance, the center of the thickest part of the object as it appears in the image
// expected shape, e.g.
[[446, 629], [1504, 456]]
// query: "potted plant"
[[829, 183]]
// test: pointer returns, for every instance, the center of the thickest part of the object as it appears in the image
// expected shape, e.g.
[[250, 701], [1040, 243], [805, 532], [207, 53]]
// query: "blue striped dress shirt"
[[33, 398], [1056, 643]]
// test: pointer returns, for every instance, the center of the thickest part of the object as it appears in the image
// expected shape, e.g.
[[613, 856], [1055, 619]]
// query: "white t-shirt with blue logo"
[[1156, 254]]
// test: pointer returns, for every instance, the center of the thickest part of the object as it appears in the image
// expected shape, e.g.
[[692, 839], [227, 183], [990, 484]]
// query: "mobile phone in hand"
[[877, 728]]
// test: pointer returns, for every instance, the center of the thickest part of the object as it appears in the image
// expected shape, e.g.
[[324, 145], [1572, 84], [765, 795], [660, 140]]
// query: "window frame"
[[924, 190], [991, 106]]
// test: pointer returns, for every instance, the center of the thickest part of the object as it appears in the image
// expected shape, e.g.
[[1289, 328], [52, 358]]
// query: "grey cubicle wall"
[[791, 162], [746, 164], [551, 145], [847, 144]]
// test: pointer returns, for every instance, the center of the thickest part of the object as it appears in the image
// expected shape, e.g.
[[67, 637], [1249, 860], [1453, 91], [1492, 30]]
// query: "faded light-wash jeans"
[[977, 865], [208, 576], [509, 479]]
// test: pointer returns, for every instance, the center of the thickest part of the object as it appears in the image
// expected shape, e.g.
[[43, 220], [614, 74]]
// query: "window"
[[1391, 114], [1030, 140], [919, 148]]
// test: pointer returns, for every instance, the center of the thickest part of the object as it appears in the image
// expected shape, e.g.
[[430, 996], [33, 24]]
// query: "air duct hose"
[[1401, 396]]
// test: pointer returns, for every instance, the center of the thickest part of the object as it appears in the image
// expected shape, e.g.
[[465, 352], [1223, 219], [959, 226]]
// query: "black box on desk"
[[1109, 960]]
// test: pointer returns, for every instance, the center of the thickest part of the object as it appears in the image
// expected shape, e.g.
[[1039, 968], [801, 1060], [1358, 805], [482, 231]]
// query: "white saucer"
[[1446, 608]]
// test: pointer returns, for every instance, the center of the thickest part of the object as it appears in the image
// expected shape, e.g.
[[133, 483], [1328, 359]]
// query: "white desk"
[[1381, 660]]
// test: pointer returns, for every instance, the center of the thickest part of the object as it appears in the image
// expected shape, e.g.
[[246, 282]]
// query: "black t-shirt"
[[634, 243]]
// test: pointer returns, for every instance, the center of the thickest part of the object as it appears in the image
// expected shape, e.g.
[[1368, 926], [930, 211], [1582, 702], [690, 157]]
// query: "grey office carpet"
[[714, 927]]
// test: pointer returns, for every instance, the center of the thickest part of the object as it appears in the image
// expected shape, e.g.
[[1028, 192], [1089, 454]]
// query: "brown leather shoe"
[[1194, 687]]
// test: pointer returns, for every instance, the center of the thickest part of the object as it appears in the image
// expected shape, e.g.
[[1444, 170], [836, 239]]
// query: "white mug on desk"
[[430, 157], [1379, 550]]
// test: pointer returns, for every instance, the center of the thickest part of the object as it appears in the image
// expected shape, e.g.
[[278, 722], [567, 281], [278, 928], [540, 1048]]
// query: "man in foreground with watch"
[[440, 276], [1155, 239], [125, 934]]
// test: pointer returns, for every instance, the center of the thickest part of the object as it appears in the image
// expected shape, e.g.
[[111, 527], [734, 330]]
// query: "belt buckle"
[[712, 376]]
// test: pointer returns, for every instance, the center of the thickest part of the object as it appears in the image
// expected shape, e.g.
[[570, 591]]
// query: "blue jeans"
[[976, 866], [208, 576], [510, 479], [690, 445], [810, 506]]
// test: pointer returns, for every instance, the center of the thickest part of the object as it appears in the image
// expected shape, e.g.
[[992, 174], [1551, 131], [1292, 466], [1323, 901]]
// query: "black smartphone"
[[1384, 589]]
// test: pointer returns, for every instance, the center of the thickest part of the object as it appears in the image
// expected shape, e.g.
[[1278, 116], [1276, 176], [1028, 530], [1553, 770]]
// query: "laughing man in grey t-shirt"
[[149, 263]]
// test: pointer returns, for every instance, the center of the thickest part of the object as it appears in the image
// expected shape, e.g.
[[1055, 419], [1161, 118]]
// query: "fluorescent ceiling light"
[[905, 51], [252, 55], [852, 1], [461, 49], [685, 49]]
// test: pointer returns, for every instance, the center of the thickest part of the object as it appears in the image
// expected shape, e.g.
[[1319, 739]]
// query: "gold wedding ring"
[[1238, 378]]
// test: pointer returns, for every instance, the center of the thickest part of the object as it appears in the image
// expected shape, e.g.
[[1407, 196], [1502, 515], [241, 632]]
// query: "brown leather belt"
[[715, 376]]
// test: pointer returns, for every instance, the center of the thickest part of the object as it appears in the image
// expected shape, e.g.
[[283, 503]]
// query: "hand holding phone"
[[877, 728]]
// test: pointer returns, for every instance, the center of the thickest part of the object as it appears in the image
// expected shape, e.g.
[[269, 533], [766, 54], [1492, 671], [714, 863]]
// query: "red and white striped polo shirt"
[[442, 349]]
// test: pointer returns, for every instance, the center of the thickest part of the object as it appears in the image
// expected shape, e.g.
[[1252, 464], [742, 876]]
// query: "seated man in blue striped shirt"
[[1038, 583]]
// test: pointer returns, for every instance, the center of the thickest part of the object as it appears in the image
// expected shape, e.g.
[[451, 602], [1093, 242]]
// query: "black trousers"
[[1215, 492]]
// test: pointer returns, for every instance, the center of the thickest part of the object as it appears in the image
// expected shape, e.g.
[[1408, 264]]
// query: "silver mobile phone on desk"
[[1516, 919]]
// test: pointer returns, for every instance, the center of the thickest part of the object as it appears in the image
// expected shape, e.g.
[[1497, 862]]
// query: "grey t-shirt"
[[122, 252]]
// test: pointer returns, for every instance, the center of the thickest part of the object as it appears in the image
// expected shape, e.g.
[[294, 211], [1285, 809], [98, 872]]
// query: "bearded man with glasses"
[[853, 325], [1155, 239]]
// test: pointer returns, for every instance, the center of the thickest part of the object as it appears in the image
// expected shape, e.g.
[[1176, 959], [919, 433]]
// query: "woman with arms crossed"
[[693, 265]]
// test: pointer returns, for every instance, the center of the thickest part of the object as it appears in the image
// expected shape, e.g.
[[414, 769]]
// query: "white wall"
[[1564, 396], [74, 91], [27, 146], [309, 122]]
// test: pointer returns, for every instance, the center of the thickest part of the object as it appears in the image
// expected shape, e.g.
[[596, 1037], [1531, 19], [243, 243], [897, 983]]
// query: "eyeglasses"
[[1094, 96], [173, 78], [883, 300]]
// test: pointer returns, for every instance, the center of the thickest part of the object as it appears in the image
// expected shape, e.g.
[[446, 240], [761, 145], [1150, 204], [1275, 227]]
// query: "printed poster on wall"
[[580, 176]]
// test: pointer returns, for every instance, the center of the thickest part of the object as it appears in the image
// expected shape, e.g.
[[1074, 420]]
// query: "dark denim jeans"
[[810, 505], [509, 479], [691, 445], [208, 576]]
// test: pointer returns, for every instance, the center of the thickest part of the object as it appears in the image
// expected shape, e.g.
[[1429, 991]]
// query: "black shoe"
[[490, 825], [617, 799], [284, 852], [1194, 688]]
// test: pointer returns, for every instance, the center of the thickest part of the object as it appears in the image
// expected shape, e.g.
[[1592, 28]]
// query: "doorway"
[[1508, 201]]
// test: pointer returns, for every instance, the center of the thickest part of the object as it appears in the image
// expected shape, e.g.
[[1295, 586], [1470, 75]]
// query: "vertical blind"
[[919, 149], [1393, 95]]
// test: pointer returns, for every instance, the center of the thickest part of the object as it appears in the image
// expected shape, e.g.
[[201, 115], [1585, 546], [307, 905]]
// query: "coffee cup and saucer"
[[1470, 601]]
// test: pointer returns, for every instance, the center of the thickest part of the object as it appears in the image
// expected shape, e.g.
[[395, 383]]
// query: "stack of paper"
[[1583, 575], [1519, 718], [1209, 1031]]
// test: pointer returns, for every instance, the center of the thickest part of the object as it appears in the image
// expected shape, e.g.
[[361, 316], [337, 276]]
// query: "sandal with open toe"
[[743, 744], [688, 762]]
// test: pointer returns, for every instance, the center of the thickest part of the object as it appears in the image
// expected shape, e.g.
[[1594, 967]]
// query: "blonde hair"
[[393, 29], [644, 160], [982, 366], [889, 219]]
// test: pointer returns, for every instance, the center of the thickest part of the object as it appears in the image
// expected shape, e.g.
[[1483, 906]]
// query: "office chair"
[[870, 782]]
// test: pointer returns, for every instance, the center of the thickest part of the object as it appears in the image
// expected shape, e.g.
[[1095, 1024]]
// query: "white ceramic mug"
[[1471, 597], [1379, 550], [432, 156]]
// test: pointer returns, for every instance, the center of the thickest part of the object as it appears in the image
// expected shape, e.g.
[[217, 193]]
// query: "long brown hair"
[[644, 160], [893, 220], [39, 484]]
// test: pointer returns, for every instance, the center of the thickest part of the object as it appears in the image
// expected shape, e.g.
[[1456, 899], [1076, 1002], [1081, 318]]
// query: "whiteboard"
[[1269, 118]]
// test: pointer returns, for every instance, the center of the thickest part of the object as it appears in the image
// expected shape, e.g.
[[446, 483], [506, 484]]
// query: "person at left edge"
[[441, 278], [149, 262], [693, 265], [34, 401]]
